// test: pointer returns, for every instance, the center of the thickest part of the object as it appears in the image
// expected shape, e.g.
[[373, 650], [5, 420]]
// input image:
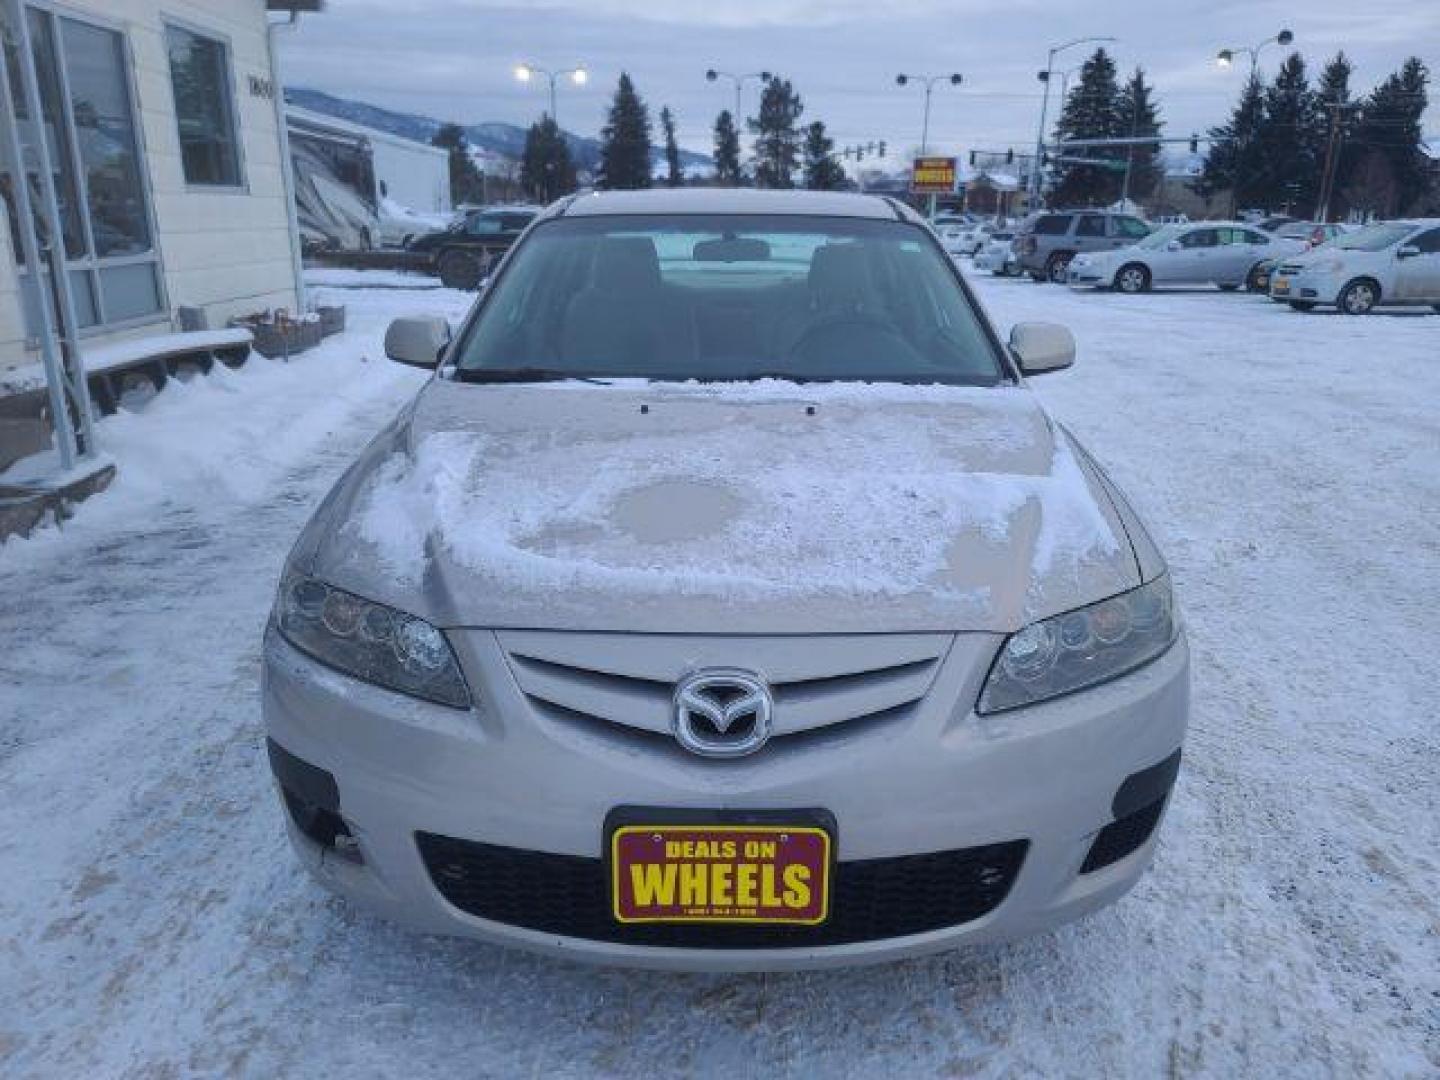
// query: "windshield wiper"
[[521, 375], [758, 376]]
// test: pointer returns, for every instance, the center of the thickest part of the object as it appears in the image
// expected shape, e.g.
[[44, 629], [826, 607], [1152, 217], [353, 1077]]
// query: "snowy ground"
[[153, 922]]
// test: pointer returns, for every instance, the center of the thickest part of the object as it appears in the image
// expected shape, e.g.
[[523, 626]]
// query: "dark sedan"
[[462, 254]]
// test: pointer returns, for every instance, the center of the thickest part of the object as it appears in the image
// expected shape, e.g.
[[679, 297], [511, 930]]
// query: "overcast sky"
[[454, 59]]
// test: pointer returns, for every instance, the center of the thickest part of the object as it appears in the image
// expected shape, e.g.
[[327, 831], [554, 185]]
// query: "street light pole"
[[1045, 77], [711, 75], [578, 75], [954, 79], [929, 81], [1225, 58]]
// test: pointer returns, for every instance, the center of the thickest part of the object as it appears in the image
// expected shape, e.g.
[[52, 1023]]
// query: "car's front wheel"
[[1359, 297], [1253, 282], [1132, 278], [460, 270], [1058, 266]]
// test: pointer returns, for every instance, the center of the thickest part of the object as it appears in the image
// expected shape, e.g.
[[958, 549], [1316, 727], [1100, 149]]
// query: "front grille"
[[629, 680], [1290, 268], [871, 899], [1123, 837]]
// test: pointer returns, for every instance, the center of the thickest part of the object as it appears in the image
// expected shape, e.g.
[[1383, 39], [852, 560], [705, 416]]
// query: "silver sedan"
[[717, 605]]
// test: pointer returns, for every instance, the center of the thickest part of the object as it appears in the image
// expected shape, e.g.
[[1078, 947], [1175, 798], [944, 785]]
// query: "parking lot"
[[156, 924]]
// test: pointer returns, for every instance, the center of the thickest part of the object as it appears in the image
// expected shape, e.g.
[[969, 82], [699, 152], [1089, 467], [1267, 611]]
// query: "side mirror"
[[1040, 347], [1173, 245], [417, 341], [1407, 251]]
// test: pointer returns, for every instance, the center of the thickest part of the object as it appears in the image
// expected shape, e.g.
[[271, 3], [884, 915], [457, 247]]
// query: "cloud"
[[454, 58]]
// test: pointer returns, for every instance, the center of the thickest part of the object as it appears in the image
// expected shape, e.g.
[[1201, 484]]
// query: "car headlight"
[[1082, 648], [1326, 266], [369, 641]]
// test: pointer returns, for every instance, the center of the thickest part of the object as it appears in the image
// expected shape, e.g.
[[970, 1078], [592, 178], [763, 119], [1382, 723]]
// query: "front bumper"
[[1315, 288], [939, 780], [1088, 276]]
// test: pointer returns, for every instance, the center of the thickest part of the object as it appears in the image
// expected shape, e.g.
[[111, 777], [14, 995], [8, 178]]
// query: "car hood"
[[758, 508]]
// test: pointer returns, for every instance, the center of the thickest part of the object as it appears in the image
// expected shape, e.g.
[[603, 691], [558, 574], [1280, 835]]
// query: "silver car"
[[726, 600], [1223, 253], [1395, 262]]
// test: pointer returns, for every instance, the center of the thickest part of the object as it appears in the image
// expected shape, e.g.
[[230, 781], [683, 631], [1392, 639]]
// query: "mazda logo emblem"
[[720, 712]]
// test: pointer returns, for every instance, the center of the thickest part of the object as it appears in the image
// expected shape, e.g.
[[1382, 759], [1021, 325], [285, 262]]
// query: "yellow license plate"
[[715, 873]]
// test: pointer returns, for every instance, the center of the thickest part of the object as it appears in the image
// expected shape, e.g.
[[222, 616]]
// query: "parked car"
[[952, 229], [1396, 262], [708, 609], [1223, 253], [1310, 234], [401, 226], [998, 254], [1047, 244], [463, 254]]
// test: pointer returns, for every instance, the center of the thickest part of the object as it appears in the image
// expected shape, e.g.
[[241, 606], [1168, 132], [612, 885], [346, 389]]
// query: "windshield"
[[1160, 237], [1375, 238], [725, 297]]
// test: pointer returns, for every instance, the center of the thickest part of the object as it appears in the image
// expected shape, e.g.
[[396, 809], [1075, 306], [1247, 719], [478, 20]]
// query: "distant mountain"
[[494, 136]]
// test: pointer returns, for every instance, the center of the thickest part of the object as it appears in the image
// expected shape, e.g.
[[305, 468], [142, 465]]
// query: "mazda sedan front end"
[[726, 601]]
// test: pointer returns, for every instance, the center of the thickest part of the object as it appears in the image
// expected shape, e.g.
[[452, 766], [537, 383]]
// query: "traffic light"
[[972, 159], [882, 147], [1010, 157], [1194, 144]]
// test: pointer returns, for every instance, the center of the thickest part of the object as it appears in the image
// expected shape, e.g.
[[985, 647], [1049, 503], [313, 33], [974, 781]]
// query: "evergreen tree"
[[625, 141], [1290, 158], [727, 151], [1390, 173], [1235, 160], [1141, 117], [466, 184], [777, 141], [546, 168], [1092, 111], [673, 176], [822, 171]]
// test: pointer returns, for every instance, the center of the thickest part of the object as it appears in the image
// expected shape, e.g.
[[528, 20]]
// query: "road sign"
[[933, 176]]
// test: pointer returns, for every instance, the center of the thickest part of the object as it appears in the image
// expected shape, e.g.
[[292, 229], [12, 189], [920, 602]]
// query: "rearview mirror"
[[731, 249], [417, 341], [1407, 251], [1040, 347]]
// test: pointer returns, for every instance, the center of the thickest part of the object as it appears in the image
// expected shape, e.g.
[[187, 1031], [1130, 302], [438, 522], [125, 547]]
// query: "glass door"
[[89, 125]]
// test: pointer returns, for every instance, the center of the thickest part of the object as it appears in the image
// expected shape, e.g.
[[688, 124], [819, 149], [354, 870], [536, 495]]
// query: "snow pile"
[[227, 435], [870, 503]]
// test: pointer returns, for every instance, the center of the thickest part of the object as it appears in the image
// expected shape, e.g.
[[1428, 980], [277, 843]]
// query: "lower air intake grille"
[[1123, 837], [871, 899]]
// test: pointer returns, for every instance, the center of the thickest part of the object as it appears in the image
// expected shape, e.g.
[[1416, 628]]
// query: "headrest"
[[626, 264], [840, 274]]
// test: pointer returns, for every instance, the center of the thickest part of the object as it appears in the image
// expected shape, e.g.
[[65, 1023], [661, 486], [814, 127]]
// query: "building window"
[[204, 109]]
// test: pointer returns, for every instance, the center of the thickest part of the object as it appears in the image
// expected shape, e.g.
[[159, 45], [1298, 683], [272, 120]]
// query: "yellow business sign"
[[933, 176]]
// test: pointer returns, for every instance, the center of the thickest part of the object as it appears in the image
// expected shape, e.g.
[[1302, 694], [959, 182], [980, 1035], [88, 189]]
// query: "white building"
[[166, 154]]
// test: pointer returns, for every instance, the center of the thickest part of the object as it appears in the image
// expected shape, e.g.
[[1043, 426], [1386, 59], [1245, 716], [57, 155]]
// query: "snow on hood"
[[728, 508]]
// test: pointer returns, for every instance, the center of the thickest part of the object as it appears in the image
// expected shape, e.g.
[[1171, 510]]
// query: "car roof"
[[732, 201]]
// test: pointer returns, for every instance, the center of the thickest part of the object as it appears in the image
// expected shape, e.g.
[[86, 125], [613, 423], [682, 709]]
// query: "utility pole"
[[1332, 155]]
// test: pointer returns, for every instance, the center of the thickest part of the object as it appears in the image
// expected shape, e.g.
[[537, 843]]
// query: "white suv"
[[1393, 263]]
